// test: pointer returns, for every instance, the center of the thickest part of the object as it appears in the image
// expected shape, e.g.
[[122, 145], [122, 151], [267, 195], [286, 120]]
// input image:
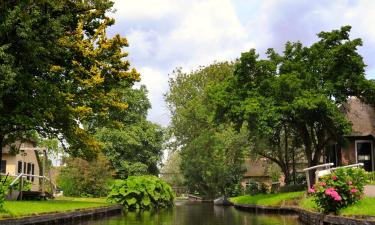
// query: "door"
[[364, 154]]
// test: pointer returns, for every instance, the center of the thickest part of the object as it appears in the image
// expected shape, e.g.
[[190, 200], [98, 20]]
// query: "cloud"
[[165, 34], [157, 84], [186, 33]]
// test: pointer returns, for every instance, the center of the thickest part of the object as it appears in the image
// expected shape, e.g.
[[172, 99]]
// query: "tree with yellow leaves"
[[58, 69]]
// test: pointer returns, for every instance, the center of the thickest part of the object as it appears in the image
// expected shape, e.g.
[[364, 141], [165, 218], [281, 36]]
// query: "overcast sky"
[[165, 34]]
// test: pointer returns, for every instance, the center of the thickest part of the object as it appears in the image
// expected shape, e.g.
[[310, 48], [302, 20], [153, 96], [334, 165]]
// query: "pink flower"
[[350, 183], [323, 184], [329, 191], [337, 198], [311, 190], [334, 178], [353, 190]]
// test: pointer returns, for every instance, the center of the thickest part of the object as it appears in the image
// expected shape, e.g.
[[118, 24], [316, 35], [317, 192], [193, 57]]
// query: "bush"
[[81, 178], [141, 192], [16, 186], [341, 188], [292, 188], [3, 193], [255, 188]]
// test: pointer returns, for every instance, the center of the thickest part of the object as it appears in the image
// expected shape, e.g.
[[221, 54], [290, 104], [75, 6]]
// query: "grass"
[[366, 206], [268, 199], [27, 208]]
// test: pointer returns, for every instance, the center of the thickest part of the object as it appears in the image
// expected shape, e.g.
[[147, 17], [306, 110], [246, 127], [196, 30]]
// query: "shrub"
[[141, 192], [292, 188], [16, 186], [85, 179], [255, 188], [341, 188]]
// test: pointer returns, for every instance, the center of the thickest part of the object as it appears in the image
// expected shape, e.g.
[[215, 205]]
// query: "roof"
[[256, 168], [362, 117]]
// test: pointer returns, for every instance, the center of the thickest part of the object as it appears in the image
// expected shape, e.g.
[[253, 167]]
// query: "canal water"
[[187, 213]]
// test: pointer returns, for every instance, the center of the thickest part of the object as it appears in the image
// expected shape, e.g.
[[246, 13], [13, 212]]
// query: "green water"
[[185, 213]]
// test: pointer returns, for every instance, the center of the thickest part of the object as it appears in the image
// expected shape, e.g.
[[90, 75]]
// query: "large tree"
[[132, 145], [300, 90], [211, 155], [58, 68]]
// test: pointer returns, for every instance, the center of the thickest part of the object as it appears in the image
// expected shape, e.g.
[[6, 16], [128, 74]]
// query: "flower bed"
[[339, 189]]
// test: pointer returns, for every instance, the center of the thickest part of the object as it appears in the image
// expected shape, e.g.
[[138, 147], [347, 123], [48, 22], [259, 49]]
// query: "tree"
[[299, 91], [57, 69], [171, 171], [211, 156], [134, 145], [85, 179]]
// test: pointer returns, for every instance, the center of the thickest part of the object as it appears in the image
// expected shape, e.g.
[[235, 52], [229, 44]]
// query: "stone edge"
[[308, 217], [68, 217]]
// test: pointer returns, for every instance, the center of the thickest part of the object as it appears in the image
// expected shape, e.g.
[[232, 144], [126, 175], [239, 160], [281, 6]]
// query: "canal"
[[187, 213]]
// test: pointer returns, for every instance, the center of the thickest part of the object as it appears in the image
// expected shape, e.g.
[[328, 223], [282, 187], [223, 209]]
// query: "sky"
[[166, 34]]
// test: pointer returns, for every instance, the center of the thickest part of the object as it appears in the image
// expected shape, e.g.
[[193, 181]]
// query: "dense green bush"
[[341, 188], [3, 193], [292, 188], [16, 186], [85, 179], [141, 192], [255, 188]]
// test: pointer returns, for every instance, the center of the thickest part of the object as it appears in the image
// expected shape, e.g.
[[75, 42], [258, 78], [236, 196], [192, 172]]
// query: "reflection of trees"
[[198, 214]]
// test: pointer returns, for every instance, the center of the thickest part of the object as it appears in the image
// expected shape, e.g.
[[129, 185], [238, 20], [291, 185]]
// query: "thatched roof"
[[362, 117]]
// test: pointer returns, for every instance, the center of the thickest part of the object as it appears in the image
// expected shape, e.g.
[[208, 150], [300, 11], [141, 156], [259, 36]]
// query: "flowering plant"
[[339, 189]]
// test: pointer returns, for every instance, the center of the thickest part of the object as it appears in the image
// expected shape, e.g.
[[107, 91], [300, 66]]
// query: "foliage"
[[26, 184], [133, 150], [292, 188], [171, 172], [85, 179], [255, 188], [3, 193], [364, 207], [267, 199], [211, 155], [59, 69], [341, 188], [141, 192], [291, 101]]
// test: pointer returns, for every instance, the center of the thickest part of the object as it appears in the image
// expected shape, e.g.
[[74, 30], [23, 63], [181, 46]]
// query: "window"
[[3, 166], [32, 171], [364, 154], [24, 167], [19, 167], [28, 170]]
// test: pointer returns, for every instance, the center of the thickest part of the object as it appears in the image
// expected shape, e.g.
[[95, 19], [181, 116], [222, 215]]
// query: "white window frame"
[[372, 151]]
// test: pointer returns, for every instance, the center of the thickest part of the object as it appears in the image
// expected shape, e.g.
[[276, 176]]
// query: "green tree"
[[211, 156], [171, 171], [85, 179], [299, 92], [132, 144], [57, 69]]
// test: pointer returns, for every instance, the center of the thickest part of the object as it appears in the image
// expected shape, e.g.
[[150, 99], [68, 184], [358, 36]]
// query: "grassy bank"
[[26, 208], [366, 206], [268, 199]]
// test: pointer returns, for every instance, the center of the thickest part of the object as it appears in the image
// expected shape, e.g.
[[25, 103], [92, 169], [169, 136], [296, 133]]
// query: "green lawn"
[[366, 206], [25, 208], [268, 199]]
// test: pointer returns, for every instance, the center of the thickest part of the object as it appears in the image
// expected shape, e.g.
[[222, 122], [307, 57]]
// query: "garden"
[[340, 193]]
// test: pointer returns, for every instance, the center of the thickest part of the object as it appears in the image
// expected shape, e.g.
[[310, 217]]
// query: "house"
[[25, 161], [359, 145], [256, 170]]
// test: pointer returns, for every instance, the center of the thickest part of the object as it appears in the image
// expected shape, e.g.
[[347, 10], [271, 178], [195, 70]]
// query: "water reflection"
[[185, 213]]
